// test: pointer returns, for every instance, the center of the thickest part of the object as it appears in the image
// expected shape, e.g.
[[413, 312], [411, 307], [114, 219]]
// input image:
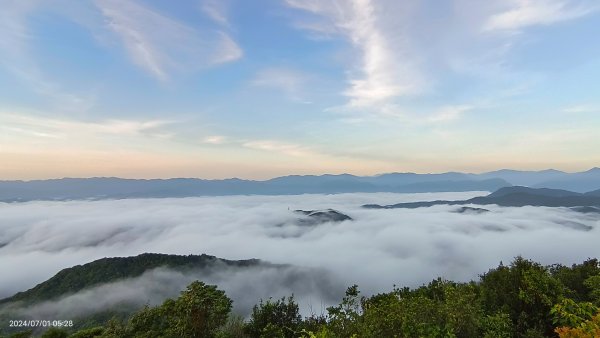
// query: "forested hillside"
[[522, 299], [108, 270]]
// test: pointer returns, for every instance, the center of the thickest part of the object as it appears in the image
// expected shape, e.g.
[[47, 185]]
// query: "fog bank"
[[378, 249]]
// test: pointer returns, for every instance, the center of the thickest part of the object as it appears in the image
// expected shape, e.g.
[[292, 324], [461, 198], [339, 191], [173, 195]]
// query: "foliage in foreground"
[[523, 299]]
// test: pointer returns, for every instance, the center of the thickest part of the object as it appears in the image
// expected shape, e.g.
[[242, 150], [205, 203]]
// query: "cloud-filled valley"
[[377, 249], [247, 286]]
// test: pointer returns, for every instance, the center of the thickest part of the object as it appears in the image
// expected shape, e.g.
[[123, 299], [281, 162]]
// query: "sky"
[[257, 89]]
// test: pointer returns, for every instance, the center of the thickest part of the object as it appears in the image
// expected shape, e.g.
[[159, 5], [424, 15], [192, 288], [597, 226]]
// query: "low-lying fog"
[[380, 248]]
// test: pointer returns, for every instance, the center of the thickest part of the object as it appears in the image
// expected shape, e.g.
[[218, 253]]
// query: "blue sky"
[[257, 89]]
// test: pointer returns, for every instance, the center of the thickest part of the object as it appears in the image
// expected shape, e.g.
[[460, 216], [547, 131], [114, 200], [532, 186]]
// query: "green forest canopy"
[[522, 299]]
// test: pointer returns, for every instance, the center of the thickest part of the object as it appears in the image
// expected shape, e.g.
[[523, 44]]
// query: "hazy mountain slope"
[[532, 191], [580, 182], [593, 193], [398, 179], [514, 197], [524, 178], [448, 186], [115, 188]]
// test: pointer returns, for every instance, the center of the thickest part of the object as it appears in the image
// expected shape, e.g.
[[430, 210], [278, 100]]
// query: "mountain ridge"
[[395, 182], [110, 269]]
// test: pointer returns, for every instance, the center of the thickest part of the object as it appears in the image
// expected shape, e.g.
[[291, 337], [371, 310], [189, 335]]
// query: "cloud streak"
[[288, 149], [65, 128], [449, 113], [17, 56], [161, 45], [524, 13], [216, 10]]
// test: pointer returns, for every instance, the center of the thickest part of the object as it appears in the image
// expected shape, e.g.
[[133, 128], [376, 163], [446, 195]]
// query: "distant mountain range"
[[517, 196], [115, 188]]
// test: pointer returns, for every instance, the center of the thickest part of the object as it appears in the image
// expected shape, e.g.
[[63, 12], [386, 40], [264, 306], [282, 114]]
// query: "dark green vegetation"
[[470, 210], [522, 299], [518, 197]]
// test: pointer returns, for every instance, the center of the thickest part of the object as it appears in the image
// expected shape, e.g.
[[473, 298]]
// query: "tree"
[[55, 332], [439, 309], [526, 291], [234, 328], [88, 333], [593, 285], [280, 318], [344, 318], [199, 311], [576, 320], [574, 278]]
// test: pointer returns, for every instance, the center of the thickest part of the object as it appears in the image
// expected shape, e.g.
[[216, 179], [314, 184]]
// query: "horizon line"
[[296, 175]]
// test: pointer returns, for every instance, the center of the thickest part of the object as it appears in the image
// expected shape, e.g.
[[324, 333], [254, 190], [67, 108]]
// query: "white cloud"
[[154, 42], [279, 147], [68, 128], [384, 67], [273, 146], [524, 13], [161, 45], [449, 113], [227, 50], [404, 49], [378, 249], [216, 10], [215, 139], [413, 117]]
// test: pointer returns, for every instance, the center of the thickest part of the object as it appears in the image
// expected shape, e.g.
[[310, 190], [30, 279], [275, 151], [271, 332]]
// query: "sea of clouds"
[[378, 249]]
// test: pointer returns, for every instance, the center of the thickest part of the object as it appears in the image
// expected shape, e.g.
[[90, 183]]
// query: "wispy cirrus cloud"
[[524, 13], [215, 139], [284, 148], [395, 58], [32, 125], [290, 81], [267, 145], [161, 45], [16, 56], [449, 113], [216, 10], [227, 50], [384, 68]]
